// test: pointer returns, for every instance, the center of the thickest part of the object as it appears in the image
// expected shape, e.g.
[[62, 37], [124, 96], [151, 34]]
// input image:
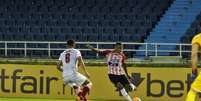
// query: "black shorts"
[[115, 79]]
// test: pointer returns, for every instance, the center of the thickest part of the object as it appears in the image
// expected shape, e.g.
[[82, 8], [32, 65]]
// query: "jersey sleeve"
[[104, 52], [60, 57], [196, 39], [78, 54]]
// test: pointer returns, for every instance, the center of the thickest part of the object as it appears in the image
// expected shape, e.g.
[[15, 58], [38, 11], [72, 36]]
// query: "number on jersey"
[[67, 57]]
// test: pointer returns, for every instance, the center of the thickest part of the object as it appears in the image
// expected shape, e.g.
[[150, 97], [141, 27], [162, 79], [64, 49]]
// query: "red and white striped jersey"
[[114, 61]]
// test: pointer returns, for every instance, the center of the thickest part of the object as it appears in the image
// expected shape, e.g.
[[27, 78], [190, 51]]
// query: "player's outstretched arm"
[[59, 64], [92, 48], [81, 63]]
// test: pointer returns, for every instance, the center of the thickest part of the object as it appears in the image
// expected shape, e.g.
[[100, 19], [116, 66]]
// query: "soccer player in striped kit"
[[117, 71]]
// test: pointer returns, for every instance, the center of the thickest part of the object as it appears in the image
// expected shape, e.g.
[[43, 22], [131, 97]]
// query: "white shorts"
[[76, 79]]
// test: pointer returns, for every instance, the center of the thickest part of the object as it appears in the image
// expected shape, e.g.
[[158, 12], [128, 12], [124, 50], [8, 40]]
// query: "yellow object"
[[197, 39], [191, 96], [196, 85]]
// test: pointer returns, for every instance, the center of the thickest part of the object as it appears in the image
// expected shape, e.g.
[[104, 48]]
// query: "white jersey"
[[69, 61]]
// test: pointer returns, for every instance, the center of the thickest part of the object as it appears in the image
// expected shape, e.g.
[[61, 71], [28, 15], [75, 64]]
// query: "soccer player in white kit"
[[68, 63], [117, 71]]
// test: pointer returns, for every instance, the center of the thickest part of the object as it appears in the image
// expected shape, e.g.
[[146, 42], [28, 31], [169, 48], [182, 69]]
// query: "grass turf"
[[35, 99], [29, 99]]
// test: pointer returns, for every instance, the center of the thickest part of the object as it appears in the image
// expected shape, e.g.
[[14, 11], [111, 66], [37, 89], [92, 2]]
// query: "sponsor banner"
[[44, 81], [162, 84]]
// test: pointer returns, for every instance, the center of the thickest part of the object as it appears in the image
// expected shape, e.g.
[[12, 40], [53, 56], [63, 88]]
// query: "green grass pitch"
[[34, 99]]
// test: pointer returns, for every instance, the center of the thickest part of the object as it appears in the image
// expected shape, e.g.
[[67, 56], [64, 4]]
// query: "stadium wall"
[[44, 81]]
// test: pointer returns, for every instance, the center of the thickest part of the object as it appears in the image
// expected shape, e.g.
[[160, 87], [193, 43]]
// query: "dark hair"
[[118, 43], [70, 42]]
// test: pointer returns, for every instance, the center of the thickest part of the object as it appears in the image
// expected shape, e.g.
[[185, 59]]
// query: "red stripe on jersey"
[[115, 61], [113, 70]]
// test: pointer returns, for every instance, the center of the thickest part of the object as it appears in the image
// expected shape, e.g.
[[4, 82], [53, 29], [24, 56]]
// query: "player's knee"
[[90, 84], [75, 87], [119, 86], [87, 82]]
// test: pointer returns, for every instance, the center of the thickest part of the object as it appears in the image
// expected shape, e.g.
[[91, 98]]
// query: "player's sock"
[[125, 94], [80, 96], [132, 86], [191, 96], [77, 89], [78, 92], [86, 90]]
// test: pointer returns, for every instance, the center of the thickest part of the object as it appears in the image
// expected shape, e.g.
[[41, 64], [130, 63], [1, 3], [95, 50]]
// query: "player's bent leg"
[[123, 92], [86, 88], [77, 89], [126, 81], [78, 92], [81, 80]]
